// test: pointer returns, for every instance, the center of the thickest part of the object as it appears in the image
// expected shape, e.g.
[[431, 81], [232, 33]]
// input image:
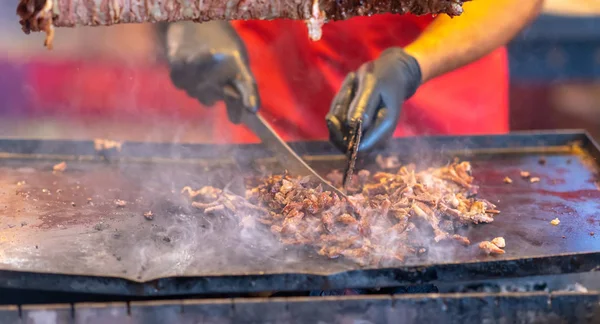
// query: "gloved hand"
[[207, 58], [374, 93]]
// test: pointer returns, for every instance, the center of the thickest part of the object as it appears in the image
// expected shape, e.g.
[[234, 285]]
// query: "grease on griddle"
[[101, 226]]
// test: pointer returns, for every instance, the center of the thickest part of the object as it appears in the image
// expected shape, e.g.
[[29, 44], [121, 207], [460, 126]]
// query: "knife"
[[352, 153], [269, 138]]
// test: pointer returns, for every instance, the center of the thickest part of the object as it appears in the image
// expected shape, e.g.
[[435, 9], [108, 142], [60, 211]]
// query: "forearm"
[[450, 43]]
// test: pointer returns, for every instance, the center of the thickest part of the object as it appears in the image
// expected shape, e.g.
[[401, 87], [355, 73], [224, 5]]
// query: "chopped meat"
[[120, 203], [390, 162], [461, 239], [149, 215], [508, 180], [104, 145], [206, 193], [62, 166], [555, 221], [499, 242], [534, 179], [525, 174], [490, 248], [386, 220]]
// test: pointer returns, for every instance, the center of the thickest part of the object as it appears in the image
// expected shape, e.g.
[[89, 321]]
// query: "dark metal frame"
[[534, 307], [516, 140]]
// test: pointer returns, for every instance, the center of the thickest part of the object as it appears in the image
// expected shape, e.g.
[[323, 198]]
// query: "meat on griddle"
[[44, 15], [392, 215]]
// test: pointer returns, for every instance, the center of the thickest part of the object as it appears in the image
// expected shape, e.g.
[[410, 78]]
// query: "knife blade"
[[272, 141], [352, 153]]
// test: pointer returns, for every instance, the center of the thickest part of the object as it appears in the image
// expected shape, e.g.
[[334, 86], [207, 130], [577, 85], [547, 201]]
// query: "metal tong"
[[268, 136]]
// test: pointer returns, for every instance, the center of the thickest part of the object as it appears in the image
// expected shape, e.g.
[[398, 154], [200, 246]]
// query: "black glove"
[[374, 93], [208, 58]]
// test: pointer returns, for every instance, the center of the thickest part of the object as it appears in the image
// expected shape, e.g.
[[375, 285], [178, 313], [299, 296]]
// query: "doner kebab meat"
[[44, 15], [387, 218]]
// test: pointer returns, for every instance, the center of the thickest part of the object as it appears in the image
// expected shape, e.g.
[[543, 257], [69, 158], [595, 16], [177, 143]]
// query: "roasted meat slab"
[[43, 15]]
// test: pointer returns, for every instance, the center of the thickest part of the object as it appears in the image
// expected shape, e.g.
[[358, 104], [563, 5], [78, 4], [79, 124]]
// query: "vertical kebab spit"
[[44, 15]]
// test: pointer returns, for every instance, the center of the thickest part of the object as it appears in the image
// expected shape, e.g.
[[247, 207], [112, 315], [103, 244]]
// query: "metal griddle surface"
[[52, 236]]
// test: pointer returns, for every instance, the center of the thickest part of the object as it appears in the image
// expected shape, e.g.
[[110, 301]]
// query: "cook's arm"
[[450, 43], [375, 92]]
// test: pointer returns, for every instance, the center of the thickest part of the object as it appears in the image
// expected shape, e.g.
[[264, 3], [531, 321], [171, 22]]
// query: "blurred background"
[[555, 80]]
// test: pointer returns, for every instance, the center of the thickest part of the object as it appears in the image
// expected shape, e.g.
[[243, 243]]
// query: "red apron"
[[297, 79]]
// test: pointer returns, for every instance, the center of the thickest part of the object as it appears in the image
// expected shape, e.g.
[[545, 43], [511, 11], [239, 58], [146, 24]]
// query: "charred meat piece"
[[499, 242], [60, 167], [149, 215], [390, 162], [120, 203], [490, 248], [105, 144]]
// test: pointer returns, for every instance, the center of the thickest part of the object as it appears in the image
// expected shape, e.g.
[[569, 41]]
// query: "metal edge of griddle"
[[42, 148], [251, 283], [526, 307], [592, 146]]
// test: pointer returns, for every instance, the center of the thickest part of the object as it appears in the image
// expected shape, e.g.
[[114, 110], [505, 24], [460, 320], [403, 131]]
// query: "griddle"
[[61, 241]]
